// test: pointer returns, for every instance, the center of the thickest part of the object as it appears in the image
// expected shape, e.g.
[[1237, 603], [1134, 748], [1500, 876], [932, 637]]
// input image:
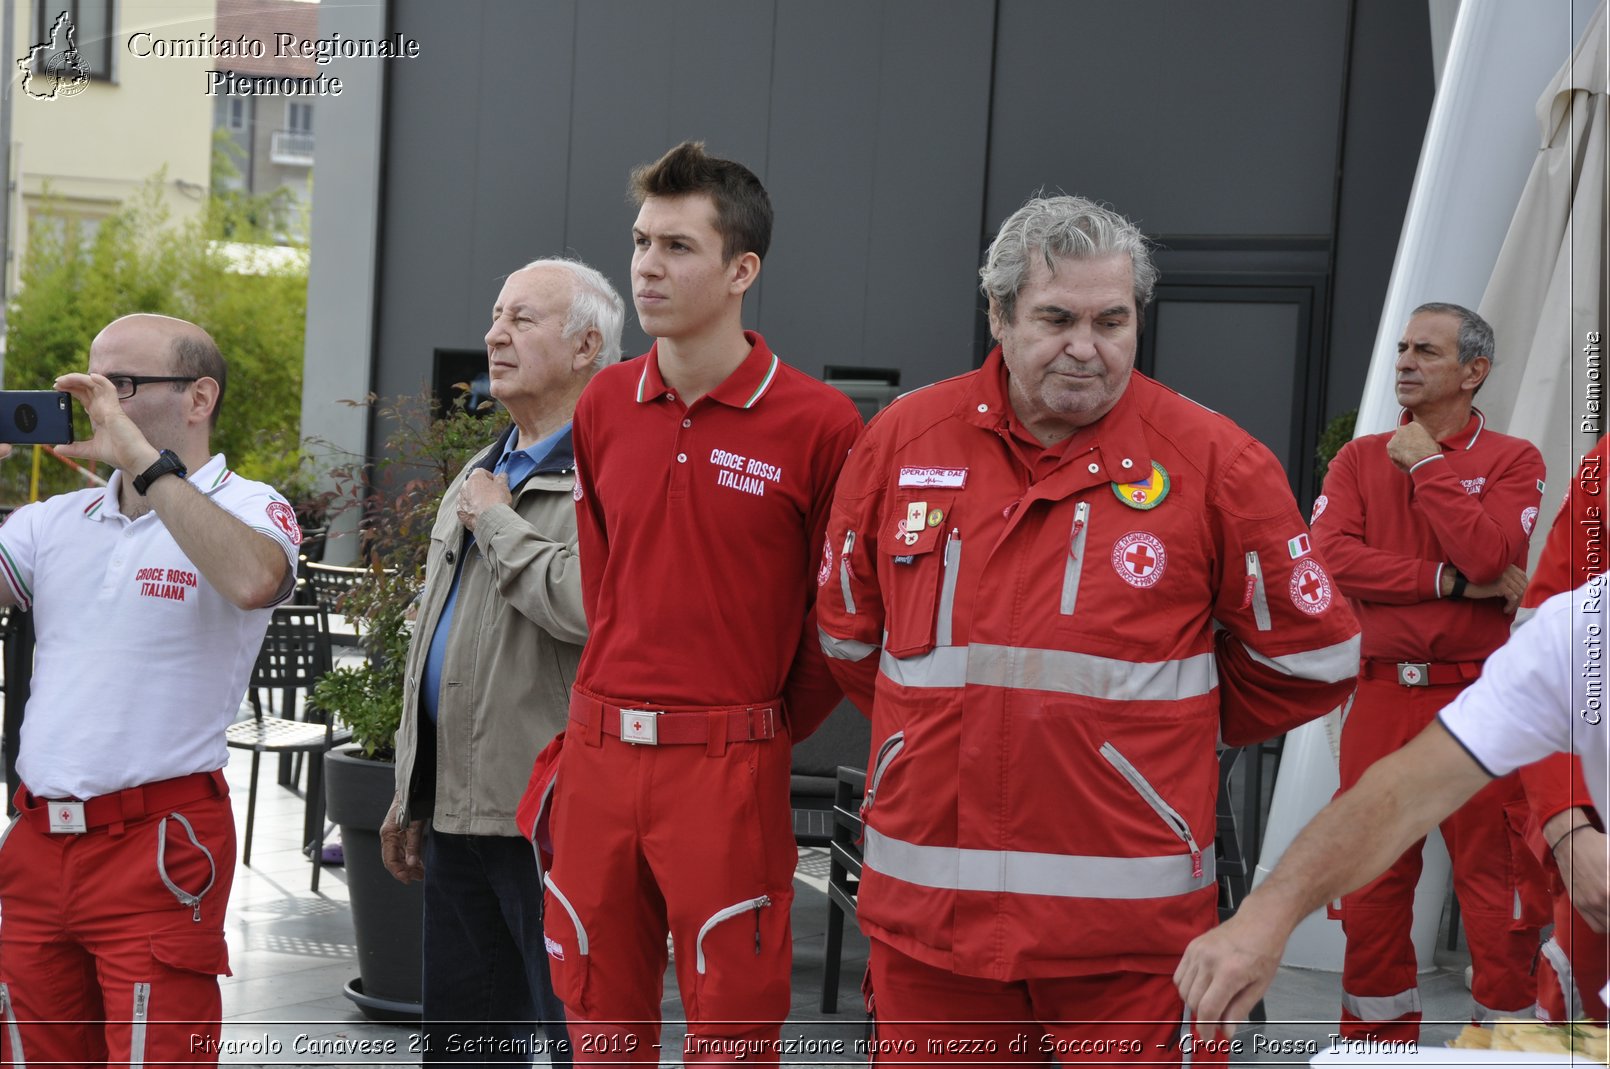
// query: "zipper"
[[886, 754], [1170, 817], [756, 904], [1075, 562], [947, 589], [575, 920], [142, 1006], [12, 1031], [185, 898], [844, 572], [1260, 600]]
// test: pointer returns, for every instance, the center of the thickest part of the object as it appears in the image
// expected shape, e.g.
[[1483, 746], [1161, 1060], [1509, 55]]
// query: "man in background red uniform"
[[1576, 958], [704, 473], [1425, 529]]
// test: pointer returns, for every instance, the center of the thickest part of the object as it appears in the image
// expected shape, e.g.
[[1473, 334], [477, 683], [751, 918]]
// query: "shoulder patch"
[[284, 517], [1310, 587], [1146, 494]]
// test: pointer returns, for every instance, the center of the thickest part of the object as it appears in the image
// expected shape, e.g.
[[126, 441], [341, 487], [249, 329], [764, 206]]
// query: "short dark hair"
[[199, 357], [1475, 333], [743, 209]]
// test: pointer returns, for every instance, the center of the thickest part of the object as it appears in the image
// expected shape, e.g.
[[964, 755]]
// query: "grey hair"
[[1057, 228], [1475, 333], [594, 306]]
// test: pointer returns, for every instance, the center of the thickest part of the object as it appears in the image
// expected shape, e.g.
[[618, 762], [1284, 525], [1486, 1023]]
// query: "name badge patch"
[[945, 478]]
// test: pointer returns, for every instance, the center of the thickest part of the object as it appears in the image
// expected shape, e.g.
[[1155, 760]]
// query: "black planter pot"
[[386, 915]]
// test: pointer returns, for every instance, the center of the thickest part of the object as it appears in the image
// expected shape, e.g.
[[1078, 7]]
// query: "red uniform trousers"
[[1502, 900], [1573, 968], [922, 1014], [694, 839], [94, 939]]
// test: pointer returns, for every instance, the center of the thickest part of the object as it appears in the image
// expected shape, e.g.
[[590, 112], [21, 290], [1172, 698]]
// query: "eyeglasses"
[[128, 385]]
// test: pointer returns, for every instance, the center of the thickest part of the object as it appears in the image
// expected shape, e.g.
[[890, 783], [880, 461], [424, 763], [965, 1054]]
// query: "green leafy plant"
[[1337, 433], [397, 498]]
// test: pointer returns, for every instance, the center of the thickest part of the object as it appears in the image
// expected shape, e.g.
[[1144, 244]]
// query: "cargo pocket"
[[192, 950], [1532, 907], [730, 944], [924, 553], [565, 938]]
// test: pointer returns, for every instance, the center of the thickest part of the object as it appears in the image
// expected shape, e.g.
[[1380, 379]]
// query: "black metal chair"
[[844, 738], [295, 655], [328, 583], [843, 875]]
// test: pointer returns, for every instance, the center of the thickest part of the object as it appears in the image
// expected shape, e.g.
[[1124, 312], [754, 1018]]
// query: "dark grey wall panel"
[[1189, 118], [1389, 100], [878, 130]]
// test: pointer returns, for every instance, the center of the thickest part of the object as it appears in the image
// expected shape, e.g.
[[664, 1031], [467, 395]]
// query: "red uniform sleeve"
[[849, 605], [812, 691], [1575, 550], [1481, 533], [1289, 648], [1366, 572], [592, 536]]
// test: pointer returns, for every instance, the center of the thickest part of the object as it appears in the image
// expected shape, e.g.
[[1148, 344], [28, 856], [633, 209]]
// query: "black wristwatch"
[[1458, 591], [168, 463]]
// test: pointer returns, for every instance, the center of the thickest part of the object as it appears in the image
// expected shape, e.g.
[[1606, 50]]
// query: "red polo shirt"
[[701, 529], [1387, 534]]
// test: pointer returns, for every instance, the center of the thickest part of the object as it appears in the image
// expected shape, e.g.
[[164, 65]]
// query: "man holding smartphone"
[[150, 600]]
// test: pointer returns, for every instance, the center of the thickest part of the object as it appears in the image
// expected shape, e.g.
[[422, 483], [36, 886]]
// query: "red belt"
[[132, 804], [712, 727], [1421, 673]]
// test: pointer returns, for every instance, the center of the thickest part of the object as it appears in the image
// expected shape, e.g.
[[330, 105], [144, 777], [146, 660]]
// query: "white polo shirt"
[[1543, 692], [140, 664]]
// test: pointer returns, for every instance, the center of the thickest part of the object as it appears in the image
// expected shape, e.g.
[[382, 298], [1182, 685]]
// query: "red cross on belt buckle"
[[640, 726], [67, 818]]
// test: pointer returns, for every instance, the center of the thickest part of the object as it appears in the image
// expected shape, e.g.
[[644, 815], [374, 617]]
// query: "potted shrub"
[[398, 497]]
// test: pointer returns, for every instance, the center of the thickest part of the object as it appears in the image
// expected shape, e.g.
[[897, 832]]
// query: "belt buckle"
[[764, 716], [66, 818], [640, 726], [1411, 674]]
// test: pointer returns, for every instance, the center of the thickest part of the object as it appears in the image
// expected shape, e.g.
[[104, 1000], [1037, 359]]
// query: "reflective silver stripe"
[[142, 1006], [4, 835], [1074, 565], [1260, 600], [12, 1031], [727, 914], [575, 921], [1382, 1007], [1057, 671], [1328, 664], [1561, 964], [184, 897], [844, 649], [947, 591], [1487, 1013], [844, 572], [1025, 873]]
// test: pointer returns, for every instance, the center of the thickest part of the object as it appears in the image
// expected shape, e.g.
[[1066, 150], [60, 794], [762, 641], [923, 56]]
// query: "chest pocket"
[[922, 552]]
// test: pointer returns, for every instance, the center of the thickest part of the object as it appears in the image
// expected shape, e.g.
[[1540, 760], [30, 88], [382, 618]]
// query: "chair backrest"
[[296, 649], [330, 581]]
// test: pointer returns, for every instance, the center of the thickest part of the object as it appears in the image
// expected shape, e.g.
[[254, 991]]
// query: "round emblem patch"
[[1146, 494], [575, 489], [1409, 675], [1528, 519], [284, 517], [1310, 587], [1139, 559], [827, 562], [1319, 508]]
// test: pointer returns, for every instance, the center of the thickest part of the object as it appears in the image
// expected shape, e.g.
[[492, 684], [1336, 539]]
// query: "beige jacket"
[[512, 650]]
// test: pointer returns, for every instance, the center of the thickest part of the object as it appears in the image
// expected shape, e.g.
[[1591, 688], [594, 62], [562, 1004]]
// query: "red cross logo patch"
[[1139, 559], [1310, 587], [826, 570], [1319, 508]]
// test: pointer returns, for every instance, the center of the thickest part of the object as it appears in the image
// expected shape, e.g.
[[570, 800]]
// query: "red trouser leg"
[[680, 839], [1573, 968], [92, 933], [923, 1014], [1497, 881], [1502, 897]]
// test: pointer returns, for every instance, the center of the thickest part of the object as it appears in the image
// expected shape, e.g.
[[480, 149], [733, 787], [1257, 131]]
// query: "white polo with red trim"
[[140, 663]]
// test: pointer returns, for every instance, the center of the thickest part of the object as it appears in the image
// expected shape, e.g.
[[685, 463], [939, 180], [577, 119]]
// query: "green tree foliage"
[[140, 260]]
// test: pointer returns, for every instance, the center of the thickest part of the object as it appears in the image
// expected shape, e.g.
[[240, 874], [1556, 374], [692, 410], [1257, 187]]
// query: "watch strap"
[[167, 463]]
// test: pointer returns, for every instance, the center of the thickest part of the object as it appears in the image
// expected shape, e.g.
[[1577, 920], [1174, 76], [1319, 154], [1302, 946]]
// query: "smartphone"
[[36, 417]]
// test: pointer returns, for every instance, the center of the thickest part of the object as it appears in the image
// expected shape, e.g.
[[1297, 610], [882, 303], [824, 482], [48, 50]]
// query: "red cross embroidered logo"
[[1310, 587], [637, 727], [1139, 559], [65, 815]]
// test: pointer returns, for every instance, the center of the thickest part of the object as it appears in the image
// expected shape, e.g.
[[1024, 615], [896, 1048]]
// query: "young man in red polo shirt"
[[704, 474]]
